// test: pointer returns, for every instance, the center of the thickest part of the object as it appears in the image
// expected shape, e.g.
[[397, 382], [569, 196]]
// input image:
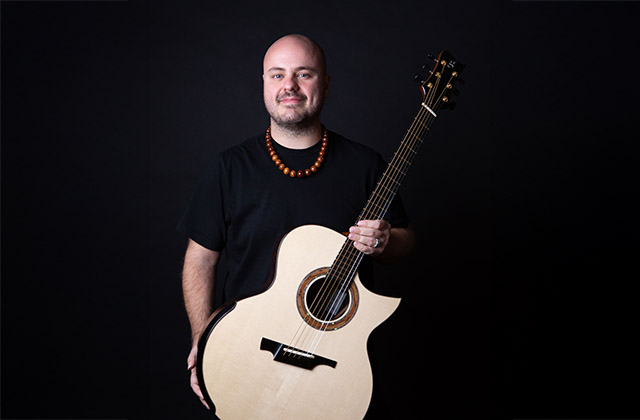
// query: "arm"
[[394, 244], [198, 285]]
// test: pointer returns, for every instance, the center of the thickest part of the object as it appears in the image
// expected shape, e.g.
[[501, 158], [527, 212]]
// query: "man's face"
[[295, 84]]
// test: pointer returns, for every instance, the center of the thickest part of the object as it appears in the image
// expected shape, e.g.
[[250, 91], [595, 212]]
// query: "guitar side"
[[323, 374]]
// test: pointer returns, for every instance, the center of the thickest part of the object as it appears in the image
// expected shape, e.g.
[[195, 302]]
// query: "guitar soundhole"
[[322, 304]]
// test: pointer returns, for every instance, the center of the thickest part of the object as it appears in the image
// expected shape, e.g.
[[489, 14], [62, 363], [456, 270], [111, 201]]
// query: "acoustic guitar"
[[298, 350]]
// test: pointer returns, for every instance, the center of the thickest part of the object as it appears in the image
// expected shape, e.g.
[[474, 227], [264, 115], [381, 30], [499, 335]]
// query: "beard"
[[295, 118]]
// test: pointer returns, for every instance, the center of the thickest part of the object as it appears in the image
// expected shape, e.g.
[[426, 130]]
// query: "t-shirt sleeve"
[[205, 219]]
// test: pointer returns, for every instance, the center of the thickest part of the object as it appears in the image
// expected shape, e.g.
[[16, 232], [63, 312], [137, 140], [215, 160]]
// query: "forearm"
[[198, 285], [401, 241]]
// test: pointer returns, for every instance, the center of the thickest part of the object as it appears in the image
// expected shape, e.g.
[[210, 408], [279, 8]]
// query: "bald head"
[[299, 45]]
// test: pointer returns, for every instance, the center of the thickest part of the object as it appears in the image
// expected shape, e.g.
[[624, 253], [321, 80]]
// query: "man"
[[296, 173]]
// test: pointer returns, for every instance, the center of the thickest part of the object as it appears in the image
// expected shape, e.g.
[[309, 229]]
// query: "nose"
[[291, 83]]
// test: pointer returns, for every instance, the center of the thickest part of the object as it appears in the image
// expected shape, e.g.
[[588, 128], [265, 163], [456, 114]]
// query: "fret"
[[410, 148], [415, 136], [420, 123], [380, 185], [403, 159], [370, 203], [396, 169]]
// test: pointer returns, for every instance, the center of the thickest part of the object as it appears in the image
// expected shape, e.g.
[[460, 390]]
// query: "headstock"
[[437, 85]]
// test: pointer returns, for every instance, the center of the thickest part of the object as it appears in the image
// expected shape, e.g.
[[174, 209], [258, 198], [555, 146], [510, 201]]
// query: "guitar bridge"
[[293, 356]]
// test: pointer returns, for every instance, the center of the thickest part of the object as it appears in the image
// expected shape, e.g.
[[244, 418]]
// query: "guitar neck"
[[349, 258], [390, 181], [436, 91]]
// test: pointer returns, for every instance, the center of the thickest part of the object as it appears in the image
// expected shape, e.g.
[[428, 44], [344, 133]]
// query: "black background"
[[520, 300]]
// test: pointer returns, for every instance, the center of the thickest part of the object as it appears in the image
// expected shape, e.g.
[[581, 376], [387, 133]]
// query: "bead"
[[292, 172]]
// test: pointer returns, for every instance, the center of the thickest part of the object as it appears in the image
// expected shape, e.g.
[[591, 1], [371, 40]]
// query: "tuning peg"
[[460, 80], [455, 92], [431, 57], [418, 79]]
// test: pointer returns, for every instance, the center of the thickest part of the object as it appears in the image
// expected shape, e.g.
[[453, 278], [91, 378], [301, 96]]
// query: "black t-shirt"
[[244, 204]]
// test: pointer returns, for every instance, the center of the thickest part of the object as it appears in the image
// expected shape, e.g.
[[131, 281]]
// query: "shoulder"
[[347, 144], [233, 159], [239, 155], [357, 152], [241, 150]]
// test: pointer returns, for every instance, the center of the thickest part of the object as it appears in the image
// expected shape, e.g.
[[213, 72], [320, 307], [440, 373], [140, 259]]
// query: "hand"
[[191, 365], [371, 237]]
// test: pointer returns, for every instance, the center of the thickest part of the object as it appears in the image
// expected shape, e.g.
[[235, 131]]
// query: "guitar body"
[[265, 357]]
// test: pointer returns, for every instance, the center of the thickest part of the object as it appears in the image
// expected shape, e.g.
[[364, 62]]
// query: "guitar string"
[[410, 141], [410, 151], [378, 204], [400, 163], [350, 259], [406, 156]]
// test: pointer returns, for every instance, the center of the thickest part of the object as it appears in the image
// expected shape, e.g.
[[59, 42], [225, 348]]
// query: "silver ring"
[[377, 243]]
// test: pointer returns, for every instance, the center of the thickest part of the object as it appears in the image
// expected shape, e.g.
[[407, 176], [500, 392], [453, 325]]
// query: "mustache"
[[291, 95]]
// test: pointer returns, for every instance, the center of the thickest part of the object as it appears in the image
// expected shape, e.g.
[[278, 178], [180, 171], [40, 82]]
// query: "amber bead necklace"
[[292, 172]]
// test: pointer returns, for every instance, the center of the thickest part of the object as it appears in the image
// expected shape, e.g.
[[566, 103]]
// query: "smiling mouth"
[[290, 100]]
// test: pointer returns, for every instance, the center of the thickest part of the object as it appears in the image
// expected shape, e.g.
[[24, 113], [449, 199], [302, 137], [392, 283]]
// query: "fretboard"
[[346, 264]]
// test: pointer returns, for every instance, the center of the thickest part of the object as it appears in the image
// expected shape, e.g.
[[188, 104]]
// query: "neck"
[[297, 138]]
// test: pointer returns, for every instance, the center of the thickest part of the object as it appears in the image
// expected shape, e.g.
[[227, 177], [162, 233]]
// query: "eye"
[[277, 76], [304, 75]]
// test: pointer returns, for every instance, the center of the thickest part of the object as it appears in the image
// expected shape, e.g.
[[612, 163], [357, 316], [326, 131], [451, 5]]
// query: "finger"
[[369, 248], [196, 390], [195, 386], [364, 231], [191, 359], [375, 224], [367, 241], [366, 249], [379, 224]]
